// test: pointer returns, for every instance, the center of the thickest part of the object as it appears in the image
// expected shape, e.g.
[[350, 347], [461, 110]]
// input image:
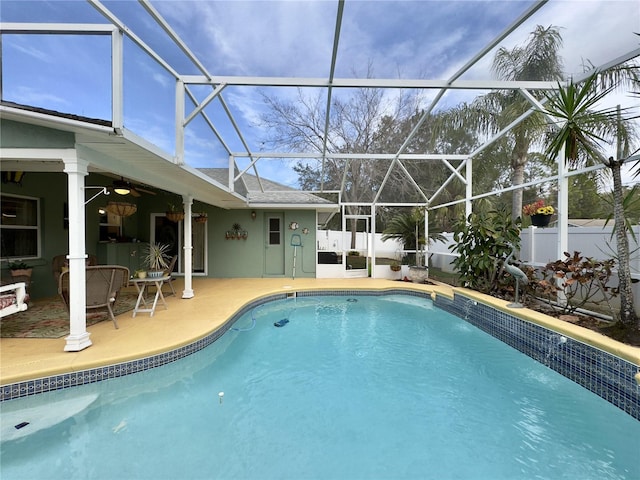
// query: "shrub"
[[583, 279], [482, 241]]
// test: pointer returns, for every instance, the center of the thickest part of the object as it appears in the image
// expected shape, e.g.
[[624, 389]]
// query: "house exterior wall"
[[51, 190], [23, 135], [246, 258], [225, 258]]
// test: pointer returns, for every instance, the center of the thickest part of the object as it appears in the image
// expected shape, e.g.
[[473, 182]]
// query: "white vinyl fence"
[[538, 247]]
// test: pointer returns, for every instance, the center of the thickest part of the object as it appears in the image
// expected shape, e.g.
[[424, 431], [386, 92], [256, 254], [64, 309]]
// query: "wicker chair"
[[60, 261], [103, 284], [169, 271]]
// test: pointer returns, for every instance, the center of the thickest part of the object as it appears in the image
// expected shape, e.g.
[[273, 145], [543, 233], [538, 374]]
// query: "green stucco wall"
[[22, 135], [246, 258]]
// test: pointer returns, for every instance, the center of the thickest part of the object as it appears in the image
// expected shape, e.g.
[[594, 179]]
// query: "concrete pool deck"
[[216, 300]]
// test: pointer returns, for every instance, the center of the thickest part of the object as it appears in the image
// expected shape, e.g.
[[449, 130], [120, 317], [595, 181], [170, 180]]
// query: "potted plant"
[[237, 232], [174, 214], [20, 269], [201, 218], [419, 273], [140, 274], [157, 258], [396, 264], [539, 212]]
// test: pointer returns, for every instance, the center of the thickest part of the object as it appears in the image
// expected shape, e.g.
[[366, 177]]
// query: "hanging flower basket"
[[175, 216], [200, 219], [540, 220], [539, 212]]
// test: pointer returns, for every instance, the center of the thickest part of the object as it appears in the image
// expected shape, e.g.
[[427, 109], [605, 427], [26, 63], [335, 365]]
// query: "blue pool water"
[[357, 387]]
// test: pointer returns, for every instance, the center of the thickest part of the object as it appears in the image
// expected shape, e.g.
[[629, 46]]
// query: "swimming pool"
[[351, 387]]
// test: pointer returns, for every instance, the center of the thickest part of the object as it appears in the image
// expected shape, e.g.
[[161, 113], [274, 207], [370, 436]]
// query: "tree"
[[407, 226], [584, 199], [482, 242], [363, 122], [583, 130], [538, 59]]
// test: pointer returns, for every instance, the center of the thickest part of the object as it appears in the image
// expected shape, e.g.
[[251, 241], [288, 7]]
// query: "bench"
[[13, 298]]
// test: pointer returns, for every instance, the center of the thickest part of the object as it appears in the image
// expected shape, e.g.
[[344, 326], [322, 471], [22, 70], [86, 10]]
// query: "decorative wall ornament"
[[293, 226], [236, 233], [305, 230]]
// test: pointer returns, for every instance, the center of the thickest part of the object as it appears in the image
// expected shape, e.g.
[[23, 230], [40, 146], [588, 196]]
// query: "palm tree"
[[583, 129], [538, 59], [407, 226]]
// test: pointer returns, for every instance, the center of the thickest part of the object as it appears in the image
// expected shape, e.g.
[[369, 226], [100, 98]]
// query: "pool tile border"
[[608, 376], [603, 373]]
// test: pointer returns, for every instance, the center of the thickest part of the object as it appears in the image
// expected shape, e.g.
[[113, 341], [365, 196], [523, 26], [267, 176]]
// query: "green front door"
[[274, 245]]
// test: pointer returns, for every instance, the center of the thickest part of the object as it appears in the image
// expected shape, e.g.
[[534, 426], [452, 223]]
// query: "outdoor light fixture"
[[121, 188], [253, 214], [121, 209], [12, 177]]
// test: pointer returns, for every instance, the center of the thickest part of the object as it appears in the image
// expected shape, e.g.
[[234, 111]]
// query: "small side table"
[[141, 285]]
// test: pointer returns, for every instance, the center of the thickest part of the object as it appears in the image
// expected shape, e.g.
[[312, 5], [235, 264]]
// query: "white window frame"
[[36, 227]]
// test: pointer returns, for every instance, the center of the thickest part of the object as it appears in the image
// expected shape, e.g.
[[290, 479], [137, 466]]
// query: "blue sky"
[[408, 39]]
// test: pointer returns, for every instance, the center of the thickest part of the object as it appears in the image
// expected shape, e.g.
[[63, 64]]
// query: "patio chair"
[[169, 272], [60, 262], [103, 284]]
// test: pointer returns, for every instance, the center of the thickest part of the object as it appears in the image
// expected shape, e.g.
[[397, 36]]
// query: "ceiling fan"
[[124, 187]]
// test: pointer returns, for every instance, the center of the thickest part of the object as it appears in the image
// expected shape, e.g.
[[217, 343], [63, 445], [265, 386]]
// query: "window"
[[110, 226], [274, 231], [20, 227]]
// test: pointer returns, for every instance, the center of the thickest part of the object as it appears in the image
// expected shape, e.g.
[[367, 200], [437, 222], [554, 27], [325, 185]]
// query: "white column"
[[532, 244], [563, 216], [188, 247], [117, 79], [426, 237], [78, 338], [179, 155], [372, 236], [231, 171], [468, 208]]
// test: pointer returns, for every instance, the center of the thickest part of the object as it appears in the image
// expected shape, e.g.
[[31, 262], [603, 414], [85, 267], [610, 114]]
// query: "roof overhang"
[[119, 152]]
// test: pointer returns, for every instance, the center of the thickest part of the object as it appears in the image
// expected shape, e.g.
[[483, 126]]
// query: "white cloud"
[[30, 96], [409, 39], [255, 38], [29, 49]]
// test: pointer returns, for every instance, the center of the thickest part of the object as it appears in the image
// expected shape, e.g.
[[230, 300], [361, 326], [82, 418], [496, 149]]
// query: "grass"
[[439, 275]]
